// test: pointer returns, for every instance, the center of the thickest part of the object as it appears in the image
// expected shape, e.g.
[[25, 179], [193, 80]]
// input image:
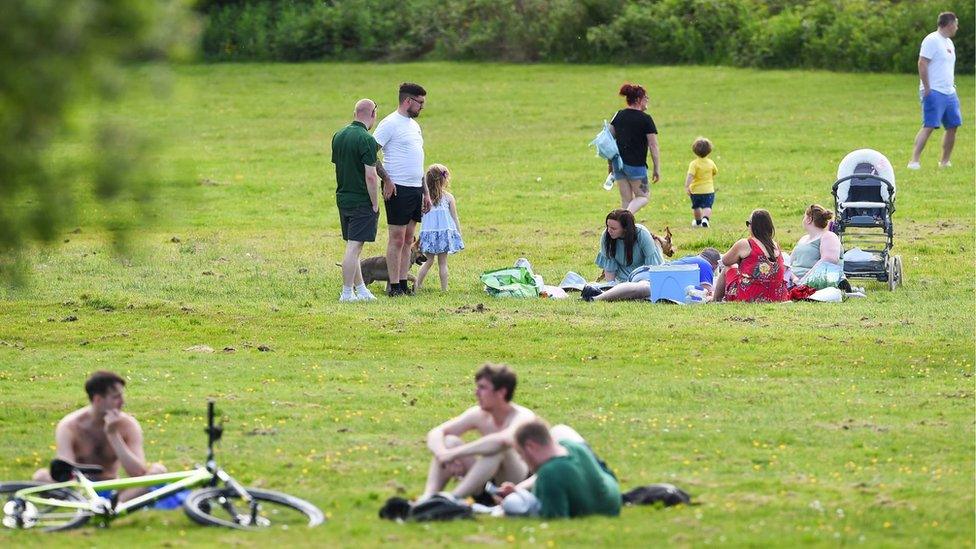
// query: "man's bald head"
[[366, 112]]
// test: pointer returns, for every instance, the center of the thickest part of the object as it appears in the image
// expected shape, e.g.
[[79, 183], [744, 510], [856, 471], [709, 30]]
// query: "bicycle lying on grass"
[[73, 499]]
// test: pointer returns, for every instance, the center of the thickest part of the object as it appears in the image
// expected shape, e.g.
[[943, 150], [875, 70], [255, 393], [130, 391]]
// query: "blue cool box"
[[668, 282]]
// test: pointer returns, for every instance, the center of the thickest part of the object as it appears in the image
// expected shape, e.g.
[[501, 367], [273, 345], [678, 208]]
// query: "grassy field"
[[790, 424]]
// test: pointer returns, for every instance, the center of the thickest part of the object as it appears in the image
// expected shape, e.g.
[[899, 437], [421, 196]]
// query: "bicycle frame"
[[174, 482]]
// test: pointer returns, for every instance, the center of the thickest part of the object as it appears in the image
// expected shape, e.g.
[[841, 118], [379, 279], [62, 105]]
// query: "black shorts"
[[358, 224], [405, 205]]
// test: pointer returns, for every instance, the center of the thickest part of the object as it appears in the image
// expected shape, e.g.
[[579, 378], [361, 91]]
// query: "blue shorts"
[[939, 109], [702, 200], [634, 173], [170, 502]]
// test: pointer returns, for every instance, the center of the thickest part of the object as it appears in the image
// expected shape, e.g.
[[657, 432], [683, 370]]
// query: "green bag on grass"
[[823, 275], [510, 282]]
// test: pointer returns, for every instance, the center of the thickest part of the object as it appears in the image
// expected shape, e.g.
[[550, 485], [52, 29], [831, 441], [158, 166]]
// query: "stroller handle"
[[891, 188]]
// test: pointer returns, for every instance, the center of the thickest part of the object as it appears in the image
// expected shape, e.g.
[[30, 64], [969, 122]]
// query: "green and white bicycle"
[[74, 499]]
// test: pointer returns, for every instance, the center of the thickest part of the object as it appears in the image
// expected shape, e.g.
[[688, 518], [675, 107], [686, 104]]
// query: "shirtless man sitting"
[[491, 457], [101, 434]]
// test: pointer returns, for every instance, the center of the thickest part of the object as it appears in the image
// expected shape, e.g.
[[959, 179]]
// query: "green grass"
[[790, 424]]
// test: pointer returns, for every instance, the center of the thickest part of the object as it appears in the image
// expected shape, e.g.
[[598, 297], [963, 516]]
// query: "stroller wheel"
[[899, 276], [894, 272]]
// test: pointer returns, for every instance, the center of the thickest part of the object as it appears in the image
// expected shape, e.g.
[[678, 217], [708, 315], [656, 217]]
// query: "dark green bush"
[[675, 31], [847, 35], [775, 41]]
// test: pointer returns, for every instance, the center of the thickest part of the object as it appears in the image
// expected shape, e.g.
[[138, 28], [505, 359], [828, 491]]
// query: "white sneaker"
[[705, 222], [347, 298], [482, 509], [914, 166], [365, 295], [946, 164], [695, 223]]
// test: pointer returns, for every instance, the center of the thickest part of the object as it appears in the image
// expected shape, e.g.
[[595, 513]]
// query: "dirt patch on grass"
[[924, 231], [257, 432], [851, 424], [747, 319]]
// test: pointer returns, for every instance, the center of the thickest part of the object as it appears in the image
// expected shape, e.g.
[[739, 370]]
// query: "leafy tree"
[[55, 56]]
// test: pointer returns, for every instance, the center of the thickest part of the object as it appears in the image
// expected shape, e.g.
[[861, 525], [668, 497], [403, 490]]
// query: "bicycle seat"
[[61, 470]]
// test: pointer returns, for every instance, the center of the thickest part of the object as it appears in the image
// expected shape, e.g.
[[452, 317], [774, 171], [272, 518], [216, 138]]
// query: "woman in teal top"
[[625, 246], [819, 245]]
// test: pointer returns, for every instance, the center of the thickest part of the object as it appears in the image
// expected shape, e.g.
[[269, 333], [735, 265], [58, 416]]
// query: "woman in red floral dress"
[[755, 265]]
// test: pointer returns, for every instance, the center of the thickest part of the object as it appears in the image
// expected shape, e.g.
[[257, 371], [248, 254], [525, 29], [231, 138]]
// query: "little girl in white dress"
[[440, 230]]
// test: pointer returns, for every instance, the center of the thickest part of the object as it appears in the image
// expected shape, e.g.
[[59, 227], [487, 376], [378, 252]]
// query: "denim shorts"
[[939, 109], [702, 200], [633, 173]]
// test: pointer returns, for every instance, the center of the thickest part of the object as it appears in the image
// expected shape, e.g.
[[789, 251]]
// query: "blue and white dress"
[[438, 232]]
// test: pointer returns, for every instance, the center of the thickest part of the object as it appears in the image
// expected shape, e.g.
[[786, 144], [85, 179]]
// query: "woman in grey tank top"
[[819, 244]]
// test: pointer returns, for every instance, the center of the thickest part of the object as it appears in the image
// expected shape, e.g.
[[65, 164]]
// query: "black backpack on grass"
[[437, 507], [657, 494]]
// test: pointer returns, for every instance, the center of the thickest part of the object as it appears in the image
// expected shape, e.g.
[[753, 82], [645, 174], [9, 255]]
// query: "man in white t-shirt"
[[937, 90], [404, 190]]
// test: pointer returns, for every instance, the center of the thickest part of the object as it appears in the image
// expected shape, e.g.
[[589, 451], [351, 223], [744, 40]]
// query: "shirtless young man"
[[101, 434], [491, 457]]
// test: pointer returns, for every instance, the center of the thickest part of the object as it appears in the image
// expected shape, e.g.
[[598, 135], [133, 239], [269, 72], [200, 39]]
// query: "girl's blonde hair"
[[438, 180]]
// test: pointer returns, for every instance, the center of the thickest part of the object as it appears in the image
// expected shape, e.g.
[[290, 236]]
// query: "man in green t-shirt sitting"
[[569, 480]]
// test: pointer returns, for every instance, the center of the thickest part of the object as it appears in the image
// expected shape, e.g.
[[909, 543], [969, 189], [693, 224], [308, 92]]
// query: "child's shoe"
[[696, 222], [704, 222]]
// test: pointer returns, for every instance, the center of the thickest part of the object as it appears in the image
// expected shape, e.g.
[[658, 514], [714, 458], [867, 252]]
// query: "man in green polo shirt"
[[354, 156], [569, 480]]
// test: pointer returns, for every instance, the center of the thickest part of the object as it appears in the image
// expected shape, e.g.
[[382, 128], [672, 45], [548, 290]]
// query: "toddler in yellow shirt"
[[700, 183]]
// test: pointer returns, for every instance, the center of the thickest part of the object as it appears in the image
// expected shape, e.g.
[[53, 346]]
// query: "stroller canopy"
[[866, 161]]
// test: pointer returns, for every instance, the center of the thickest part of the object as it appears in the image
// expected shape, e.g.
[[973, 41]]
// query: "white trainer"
[[365, 295], [347, 298], [946, 164], [914, 166], [705, 222]]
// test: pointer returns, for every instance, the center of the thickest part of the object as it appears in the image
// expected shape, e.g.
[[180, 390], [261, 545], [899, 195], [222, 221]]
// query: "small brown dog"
[[665, 243], [374, 268]]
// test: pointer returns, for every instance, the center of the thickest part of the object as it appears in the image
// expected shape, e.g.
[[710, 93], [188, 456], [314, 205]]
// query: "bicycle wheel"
[[224, 507], [49, 518]]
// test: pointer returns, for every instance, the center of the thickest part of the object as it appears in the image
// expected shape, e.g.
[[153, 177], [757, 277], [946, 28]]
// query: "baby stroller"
[[864, 200]]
